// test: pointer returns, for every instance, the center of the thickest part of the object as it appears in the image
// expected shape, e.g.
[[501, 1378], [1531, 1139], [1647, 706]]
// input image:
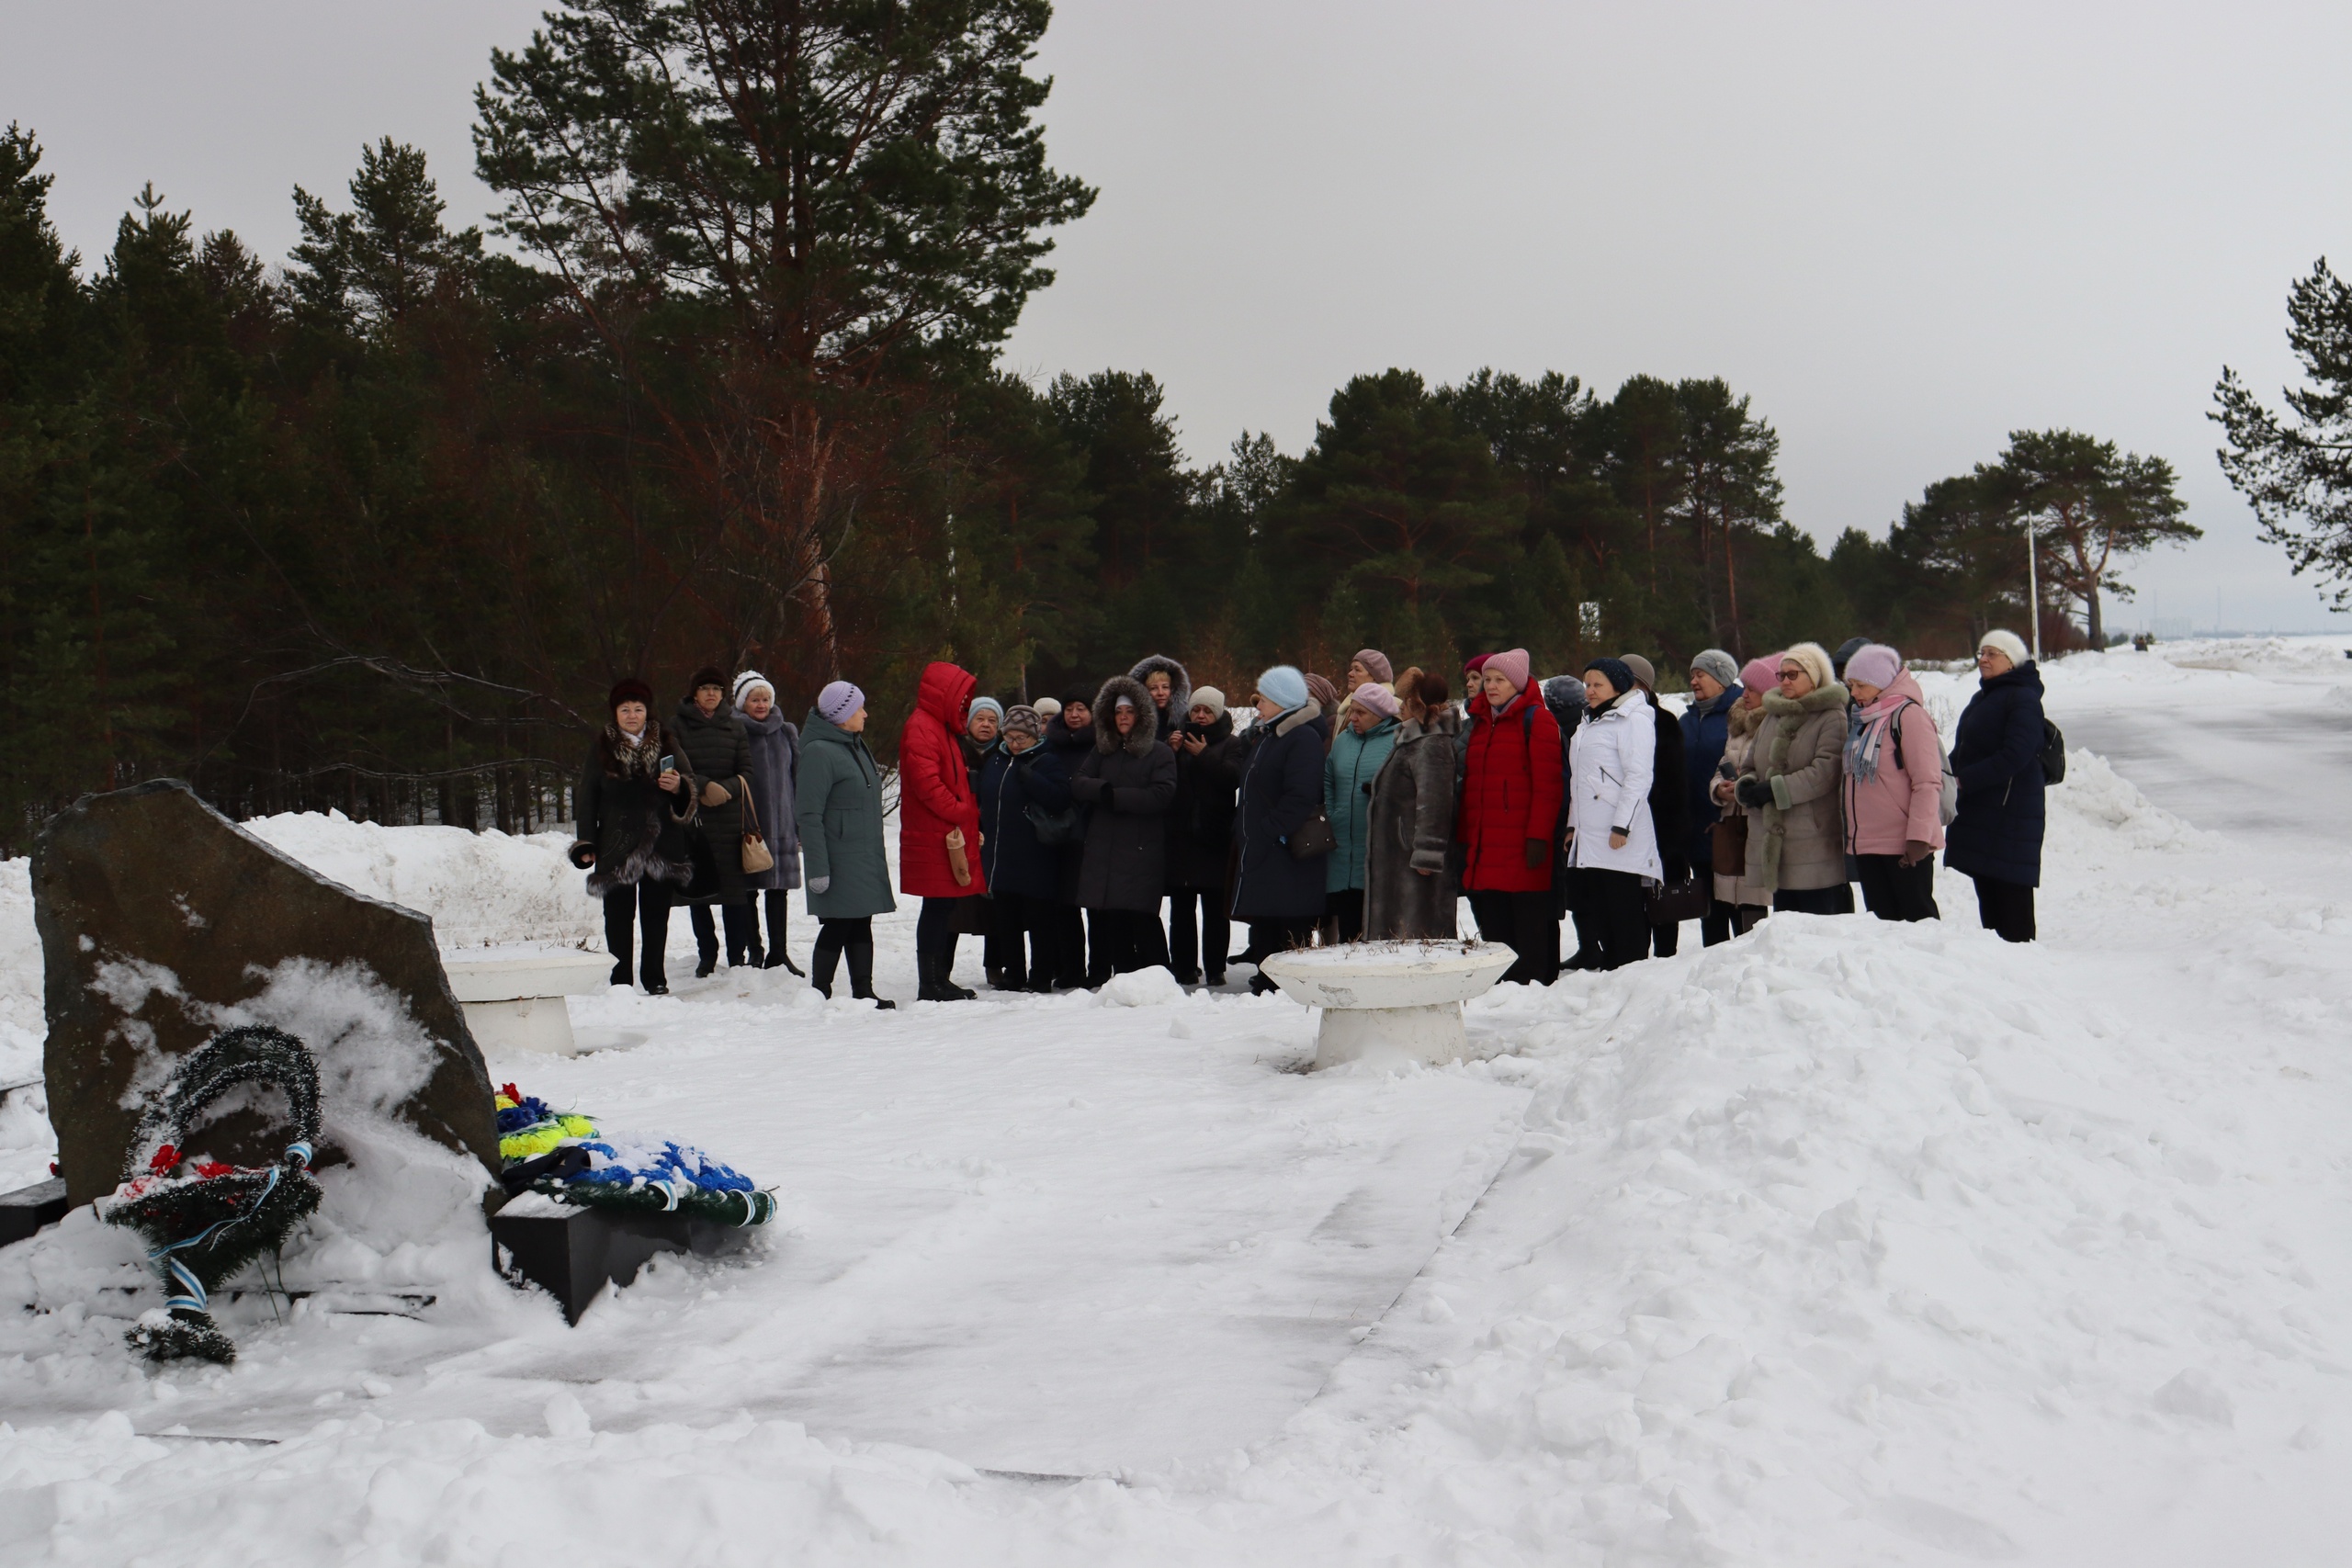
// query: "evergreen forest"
[[373, 526]]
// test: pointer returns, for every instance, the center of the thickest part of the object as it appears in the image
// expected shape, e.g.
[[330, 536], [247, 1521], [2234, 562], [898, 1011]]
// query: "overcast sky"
[[1902, 229]]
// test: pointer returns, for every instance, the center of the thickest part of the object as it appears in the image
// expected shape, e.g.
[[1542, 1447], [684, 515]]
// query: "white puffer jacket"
[[1610, 764]]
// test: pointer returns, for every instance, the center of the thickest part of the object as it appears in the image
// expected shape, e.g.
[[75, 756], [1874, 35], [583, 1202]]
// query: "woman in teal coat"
[[838, 807], [1357, 754]]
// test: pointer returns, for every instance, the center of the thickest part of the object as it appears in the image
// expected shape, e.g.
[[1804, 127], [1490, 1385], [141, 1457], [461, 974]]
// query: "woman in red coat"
[[935, 800], [1509, 816]]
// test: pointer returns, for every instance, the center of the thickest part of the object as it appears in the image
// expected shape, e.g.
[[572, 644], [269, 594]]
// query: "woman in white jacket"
[[1612, 839]]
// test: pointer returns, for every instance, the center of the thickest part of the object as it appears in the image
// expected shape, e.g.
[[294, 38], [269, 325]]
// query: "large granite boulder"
[[163, 922]]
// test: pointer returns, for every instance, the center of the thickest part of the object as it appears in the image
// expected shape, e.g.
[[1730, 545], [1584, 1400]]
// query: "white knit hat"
[[2008, 645], [1209, 697], [749, 679]]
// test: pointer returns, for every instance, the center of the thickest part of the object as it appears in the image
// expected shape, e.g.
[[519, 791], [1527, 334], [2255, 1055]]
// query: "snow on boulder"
[[478, 888], [161, 922]]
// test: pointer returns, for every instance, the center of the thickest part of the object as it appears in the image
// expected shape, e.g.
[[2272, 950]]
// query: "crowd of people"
[[1057, 831]]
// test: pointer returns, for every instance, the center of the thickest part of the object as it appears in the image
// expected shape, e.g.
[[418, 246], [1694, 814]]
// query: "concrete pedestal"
[[1390, 1003], [513, 998]]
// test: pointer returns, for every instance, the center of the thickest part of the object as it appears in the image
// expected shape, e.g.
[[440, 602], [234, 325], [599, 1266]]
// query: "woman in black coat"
[[1279, 894], [1996, 757], [720, 758], [1023, 872], [1200, 838], [1069, 736], [632, 807], [1126, 784]]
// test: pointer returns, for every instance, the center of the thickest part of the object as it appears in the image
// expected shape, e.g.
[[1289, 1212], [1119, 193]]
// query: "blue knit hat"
[[1284, 686], [1616, 673], [992, 704]]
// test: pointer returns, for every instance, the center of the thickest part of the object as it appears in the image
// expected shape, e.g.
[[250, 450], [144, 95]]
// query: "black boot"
[[776, 955], [861, 975], [935, 987], [708, 965], [620, 973], [822, 959]]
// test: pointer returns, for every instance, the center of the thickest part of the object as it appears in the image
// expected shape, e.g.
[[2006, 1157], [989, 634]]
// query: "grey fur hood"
[[1180, 697], [1139, 741]]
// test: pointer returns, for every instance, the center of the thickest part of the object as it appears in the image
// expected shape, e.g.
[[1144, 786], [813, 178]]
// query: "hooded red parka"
[[1511, 793], [935, 790]]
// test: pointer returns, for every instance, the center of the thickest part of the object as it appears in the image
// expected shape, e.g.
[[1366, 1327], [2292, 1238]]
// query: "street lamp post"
[[2032, 591]]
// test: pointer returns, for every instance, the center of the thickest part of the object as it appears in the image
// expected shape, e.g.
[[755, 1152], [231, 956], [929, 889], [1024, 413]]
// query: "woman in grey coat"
[[1126, 782], [774, 744], [1410, 888], [838, 803]]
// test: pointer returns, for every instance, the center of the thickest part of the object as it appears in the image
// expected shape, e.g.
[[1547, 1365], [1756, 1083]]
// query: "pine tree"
[[2296, 469], [2089, 507], [777, 221], [1402, 503]]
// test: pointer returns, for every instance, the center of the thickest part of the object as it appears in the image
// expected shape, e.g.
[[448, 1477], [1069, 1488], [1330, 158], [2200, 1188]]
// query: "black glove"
[[1754, 792], [581, 854], [1538, 852]]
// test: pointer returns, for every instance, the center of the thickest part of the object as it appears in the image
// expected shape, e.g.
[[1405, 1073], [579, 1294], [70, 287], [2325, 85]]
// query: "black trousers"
[[1665, 940], [935, 931], [1616, 909], [1893, 891], [1021, 946], [2005, 908], [1723, 922], [644, 905], [1124, 942], [1198, 933], [1344, 912], [742, 923], [836, 939], [1529, 924], [1279, 935], [1836, 900], [1066, 941]]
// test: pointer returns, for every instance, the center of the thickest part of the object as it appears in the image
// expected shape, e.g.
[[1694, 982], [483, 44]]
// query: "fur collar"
[[623, 761], [1832, 696], [1306, 713], [1744, 719], [1137, 742]]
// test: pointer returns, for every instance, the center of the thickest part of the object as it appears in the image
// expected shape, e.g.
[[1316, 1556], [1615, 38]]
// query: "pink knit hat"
[[1378, 698], [1761, 674], [1511, 664]]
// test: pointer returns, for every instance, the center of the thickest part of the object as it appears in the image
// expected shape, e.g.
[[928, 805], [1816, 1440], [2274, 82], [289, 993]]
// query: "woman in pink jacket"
[[1894, 787]]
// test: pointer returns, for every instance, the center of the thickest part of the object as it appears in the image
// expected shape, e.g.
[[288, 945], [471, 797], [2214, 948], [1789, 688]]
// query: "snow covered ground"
[[1841, 1244]]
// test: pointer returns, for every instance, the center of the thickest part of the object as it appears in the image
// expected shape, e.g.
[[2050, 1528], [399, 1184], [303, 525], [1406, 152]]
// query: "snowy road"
[[2267, 760]]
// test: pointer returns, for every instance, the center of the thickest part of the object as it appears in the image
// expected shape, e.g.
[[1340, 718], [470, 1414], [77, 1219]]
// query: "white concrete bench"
[[514, 997]]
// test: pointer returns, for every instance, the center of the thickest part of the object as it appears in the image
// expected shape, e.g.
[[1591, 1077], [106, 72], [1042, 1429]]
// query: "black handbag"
[[1671, 903], [1314, 838], [1054, 828]]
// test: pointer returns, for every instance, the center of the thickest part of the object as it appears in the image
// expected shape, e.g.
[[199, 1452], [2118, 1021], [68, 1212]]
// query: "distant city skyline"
[[1902, 233]]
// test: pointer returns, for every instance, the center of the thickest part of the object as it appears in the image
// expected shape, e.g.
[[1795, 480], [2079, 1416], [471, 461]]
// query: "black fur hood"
[[1180, 697], [1144, 736]]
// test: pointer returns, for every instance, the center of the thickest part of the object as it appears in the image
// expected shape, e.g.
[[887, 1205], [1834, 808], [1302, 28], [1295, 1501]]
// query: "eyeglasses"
[[1792, 674]]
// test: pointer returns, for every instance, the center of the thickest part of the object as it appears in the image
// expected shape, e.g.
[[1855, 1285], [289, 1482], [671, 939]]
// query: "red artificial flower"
[[511, 1092], [212, 1168], [165, 1158]]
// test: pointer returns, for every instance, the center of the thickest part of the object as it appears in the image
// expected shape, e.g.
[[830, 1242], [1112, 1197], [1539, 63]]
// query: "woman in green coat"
[[838, 808]]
